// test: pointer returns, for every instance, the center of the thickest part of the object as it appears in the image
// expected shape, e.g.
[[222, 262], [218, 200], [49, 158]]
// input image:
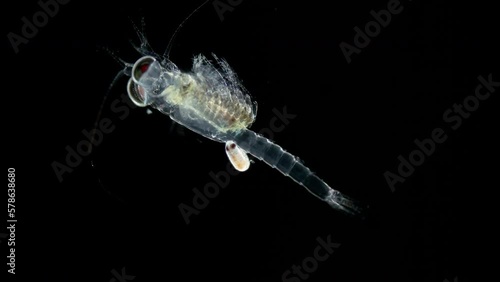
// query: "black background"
[[352, 121]]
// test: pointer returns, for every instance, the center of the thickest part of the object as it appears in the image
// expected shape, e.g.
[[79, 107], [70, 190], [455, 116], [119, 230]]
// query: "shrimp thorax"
[[209, 100]]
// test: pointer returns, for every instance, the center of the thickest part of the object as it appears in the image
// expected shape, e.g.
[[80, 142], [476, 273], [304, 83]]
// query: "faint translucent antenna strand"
[[171, 41], [127, 68], [144, 47]]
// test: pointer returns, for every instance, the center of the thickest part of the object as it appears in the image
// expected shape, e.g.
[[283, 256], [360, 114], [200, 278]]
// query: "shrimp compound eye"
[[140, 67], [136, 93]]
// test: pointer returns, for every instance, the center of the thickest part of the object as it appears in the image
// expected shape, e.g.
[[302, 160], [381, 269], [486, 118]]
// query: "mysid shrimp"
[[211, 101]]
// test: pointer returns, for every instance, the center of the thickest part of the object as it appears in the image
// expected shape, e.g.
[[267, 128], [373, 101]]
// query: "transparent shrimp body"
[[211, 101], [207, 100]]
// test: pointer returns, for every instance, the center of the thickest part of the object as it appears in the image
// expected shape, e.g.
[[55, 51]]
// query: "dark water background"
[[352, 121]]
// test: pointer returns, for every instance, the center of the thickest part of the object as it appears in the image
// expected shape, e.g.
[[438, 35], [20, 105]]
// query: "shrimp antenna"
[[144, 48], [126, 70], [115, 57], [101, 107], [169, 46]]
